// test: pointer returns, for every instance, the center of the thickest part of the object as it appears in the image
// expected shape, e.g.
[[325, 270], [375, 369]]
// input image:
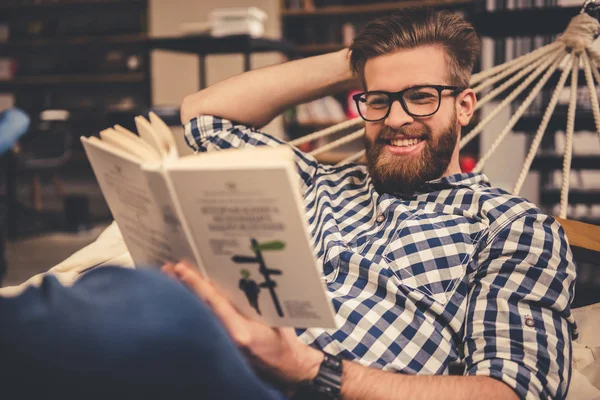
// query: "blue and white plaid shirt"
[[458, 273]]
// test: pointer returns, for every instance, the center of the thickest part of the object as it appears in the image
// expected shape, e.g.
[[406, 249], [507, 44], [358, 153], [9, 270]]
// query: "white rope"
[[593, 93], [352, 158], [512, 80], [517, 115], [595, 65], [327, 131], [479, 127], [541, 130], [343, 140], [592, 89], [478, 77], [564, 191], [594, 54], [526, 62], [580, 33]]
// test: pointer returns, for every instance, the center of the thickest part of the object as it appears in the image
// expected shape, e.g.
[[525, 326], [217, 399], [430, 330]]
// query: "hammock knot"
[[581, 32]]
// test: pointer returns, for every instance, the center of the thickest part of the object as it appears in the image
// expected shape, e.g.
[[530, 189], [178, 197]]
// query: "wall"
[[175, 75]]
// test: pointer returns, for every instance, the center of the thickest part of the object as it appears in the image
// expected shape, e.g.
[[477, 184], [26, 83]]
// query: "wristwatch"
[[327, 384]]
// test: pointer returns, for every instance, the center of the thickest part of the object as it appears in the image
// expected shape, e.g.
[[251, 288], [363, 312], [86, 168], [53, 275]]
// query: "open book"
[[236, 214]]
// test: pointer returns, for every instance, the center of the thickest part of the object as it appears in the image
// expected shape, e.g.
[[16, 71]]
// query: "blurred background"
[[75, 67]]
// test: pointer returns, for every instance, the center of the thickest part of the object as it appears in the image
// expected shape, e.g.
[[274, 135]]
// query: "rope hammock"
[[571, 50]]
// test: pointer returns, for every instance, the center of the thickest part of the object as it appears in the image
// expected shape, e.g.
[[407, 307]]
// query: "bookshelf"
[[85, 56], [503, 23], [373, 7], [72, 79], [89, 57], [32, 44], [9, 5], [324, 26], [509, 30]]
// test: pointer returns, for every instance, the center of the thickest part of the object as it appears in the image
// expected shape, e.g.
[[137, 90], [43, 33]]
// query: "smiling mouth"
[[404, 142]]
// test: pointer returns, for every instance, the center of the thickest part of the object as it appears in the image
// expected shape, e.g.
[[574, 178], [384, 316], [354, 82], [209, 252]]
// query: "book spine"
[[184, 223]]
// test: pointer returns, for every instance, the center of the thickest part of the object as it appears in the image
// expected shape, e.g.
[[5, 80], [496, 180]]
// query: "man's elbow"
[[186, 112]]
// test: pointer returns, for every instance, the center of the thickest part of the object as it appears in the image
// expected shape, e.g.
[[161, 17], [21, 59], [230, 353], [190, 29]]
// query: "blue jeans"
[[13, 124], [119, 334]]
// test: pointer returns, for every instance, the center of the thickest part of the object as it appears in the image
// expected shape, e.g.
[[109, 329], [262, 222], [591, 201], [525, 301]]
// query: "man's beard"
[[395, 174]]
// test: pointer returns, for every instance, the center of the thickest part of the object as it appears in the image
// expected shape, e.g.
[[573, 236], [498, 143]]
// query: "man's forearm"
[[360, 382], [258, 96]]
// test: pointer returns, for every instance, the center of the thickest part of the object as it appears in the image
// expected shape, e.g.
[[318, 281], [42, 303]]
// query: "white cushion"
[[108, 249], [585, 383]]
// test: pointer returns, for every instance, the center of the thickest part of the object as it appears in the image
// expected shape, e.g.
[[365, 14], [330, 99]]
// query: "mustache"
[[388, 133]]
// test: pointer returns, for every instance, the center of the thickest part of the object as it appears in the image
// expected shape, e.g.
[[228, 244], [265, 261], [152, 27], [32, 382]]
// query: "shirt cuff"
[[519, 378], [202, 126]]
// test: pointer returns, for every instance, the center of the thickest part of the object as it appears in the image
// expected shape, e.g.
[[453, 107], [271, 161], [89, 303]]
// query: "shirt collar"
[[463, 180], [469, 179]]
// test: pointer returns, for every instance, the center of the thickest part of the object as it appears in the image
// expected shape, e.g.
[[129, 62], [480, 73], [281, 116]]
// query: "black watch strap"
[[328, 382]]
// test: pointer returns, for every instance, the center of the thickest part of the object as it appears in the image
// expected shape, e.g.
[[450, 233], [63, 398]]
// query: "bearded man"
[[427, 267]]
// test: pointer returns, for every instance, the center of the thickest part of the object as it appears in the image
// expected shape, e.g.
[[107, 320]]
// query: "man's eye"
[[377, 102], [421, 96]]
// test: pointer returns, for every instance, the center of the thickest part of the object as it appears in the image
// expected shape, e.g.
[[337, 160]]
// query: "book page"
[[249, 227], [150, 228], [163, 130], [135, 146]]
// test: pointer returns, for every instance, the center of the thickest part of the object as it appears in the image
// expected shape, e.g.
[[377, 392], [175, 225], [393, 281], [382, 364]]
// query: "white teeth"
[[404, 142]]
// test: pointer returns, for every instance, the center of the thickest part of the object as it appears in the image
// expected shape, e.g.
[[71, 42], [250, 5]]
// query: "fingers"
[[234, 322], [190, 277], [168, 269]]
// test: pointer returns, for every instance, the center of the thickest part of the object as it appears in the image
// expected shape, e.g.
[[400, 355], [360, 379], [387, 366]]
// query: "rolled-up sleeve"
[[519, 325]]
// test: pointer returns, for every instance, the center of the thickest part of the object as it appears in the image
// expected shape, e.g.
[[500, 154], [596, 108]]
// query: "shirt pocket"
[[430, 253]]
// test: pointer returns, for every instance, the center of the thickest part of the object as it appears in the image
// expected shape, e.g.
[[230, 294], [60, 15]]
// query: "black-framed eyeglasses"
[[417, 101]]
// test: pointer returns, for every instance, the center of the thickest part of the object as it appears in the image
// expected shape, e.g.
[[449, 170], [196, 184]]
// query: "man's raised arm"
[[254, 98]]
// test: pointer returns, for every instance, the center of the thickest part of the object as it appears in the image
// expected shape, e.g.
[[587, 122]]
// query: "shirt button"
[[529, 322], [380, 218]]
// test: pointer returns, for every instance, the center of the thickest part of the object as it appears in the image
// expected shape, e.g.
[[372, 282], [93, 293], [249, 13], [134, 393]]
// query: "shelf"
[[374, 7], [24, 4], [131, 77], [73, 41], [524, 22], [576, 196], [546, 162], [196, 44], [204, 44], [558, 122]]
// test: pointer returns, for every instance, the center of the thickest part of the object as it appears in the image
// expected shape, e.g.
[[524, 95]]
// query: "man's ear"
[[465, 105]]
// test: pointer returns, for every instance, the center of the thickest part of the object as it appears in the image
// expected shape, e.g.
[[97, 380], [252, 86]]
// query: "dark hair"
[[420, 27]]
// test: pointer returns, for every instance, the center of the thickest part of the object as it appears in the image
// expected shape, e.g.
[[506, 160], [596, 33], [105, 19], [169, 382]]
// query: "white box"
[[238, 21]]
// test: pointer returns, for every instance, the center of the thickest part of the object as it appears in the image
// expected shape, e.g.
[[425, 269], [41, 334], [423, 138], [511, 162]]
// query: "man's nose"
[[398, 117]]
